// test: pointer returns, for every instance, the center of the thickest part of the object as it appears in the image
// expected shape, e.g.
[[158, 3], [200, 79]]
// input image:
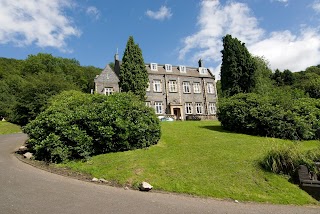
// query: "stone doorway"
[[177, 113]]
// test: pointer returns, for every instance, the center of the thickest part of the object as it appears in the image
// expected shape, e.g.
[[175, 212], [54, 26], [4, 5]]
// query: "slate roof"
[[190, 71]]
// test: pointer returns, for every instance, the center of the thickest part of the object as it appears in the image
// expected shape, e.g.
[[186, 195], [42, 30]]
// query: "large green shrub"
[[266, 116], [78, 125]]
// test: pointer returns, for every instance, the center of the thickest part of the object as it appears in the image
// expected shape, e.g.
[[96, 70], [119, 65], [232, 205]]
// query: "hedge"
[[260, 115]]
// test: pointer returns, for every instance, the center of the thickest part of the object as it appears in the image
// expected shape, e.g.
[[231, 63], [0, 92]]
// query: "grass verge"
[[200, 158], [9, 128]]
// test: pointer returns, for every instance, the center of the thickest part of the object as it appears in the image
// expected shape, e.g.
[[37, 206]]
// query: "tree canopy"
[[133, 74], [26, 85], [237, 69]]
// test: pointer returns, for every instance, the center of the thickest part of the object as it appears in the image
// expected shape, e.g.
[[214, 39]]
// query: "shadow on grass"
[[217, 128]]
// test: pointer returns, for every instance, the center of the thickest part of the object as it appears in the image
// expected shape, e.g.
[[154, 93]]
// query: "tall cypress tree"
[[133, 73], [237, 69]]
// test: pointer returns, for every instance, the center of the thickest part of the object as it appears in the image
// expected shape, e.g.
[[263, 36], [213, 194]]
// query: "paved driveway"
[[25, 189]]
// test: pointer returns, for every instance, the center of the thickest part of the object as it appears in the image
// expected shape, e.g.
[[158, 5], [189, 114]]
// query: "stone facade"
[[107, 82], [178, 92]]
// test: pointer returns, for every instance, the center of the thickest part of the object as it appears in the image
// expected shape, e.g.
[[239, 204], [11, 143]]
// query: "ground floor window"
[[199, 108], [188, 108], [212, 108], [158, 107], [108, 91], [148, 104]]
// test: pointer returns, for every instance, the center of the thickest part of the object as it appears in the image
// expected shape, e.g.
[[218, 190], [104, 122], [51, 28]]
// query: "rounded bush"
[[264, 116], [78, 125]]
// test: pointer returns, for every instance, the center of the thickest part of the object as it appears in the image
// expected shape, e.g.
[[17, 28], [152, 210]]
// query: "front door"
[[176, 112]]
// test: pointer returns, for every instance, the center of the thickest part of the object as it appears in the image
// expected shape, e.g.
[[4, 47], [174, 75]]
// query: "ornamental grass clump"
[[286, 160]]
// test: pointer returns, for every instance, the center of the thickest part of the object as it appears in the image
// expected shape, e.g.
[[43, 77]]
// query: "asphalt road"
[[25, 189]]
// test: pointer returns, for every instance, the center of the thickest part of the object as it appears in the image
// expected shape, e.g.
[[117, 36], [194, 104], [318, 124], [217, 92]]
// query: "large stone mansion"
[[179, 92]]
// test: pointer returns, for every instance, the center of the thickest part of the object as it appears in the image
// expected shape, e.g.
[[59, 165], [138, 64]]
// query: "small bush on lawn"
[[264, 116], [286, 160], [78, 125]]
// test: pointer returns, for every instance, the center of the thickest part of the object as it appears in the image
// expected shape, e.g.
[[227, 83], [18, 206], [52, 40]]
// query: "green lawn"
[[200, 158], [8, 128]]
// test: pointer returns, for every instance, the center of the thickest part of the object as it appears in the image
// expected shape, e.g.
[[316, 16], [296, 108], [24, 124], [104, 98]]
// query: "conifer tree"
[[237, 69], [133, 74]]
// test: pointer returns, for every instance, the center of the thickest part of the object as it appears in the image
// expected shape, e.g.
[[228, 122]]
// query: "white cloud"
[[93, 12], [215, 21], [163, 13], [316, 6], [36, 21], [283, 49]]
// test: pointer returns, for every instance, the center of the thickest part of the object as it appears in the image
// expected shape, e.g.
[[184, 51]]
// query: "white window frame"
[[154, 66], [196, 88], [210, 88], [186, 87], [158, 106], [108, 91], [157, 87], [199, 108], [168, 67], [182, 69], [173, 86], [148, 103], [188, 108], [212, 108], [203, 70]]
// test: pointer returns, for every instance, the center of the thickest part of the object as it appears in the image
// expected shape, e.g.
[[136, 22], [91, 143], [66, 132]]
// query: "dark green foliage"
[[35, 92], [263, 83], [310, 83], [78, 125], [284, 78], [237, 69], [26, 85], [286, 160], [133, 74], [267, 116]]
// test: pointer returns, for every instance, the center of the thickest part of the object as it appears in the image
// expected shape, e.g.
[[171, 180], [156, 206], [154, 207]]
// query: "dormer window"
[[182, 69], [154, 66], [168, 67], [203, 70]]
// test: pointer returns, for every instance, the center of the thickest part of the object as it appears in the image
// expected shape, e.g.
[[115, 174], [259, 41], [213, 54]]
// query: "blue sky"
[[178, 32]]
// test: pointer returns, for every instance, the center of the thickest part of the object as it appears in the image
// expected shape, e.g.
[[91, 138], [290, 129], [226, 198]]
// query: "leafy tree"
[[262, 76], [313, 69], [10, 88], [238, 67], [35, 93], [26, 85], [283, 78], [288, 77], [277, 77], [133, 74]]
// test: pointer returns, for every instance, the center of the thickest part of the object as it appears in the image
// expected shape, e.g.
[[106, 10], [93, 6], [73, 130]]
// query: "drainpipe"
[[166, 92]]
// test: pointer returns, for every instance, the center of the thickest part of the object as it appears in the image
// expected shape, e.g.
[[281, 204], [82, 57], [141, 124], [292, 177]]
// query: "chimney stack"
[[200, 63]]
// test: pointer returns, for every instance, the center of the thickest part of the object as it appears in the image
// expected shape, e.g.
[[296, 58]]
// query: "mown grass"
[[202, 159], [9, 128]]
